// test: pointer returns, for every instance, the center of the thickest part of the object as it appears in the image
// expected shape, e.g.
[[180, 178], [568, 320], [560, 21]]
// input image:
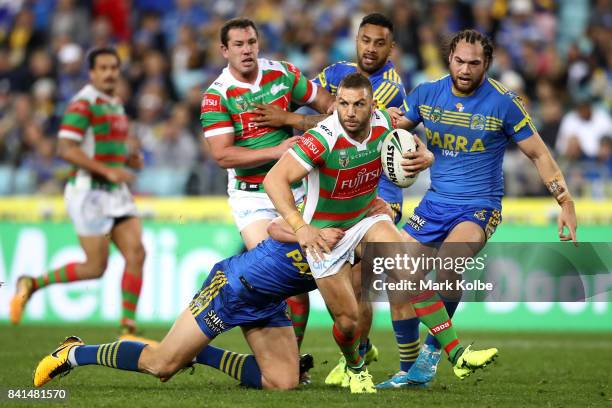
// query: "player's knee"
[[95, 267], [281, 383], [164, 368], [136, 255]]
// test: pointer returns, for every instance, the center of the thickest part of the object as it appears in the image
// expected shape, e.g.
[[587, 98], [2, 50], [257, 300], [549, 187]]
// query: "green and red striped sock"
[[349, 347], [130, 292], [298, 313], [432, 313], [66, 273]]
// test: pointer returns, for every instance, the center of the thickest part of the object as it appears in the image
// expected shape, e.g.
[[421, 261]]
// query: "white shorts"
[[344, 251], [93, 212], [250, 206]]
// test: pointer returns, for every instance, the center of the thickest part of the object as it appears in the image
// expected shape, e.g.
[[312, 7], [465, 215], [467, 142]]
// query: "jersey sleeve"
[[303, 90], [325, 79], [76, 120], [398, 97], [311, 150], [214, 116], [411, 105], [517, 122]]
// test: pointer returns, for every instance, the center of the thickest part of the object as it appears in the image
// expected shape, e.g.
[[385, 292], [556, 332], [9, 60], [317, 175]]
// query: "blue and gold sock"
[[242, 367], [450, 307], [123, 355], [407, 337]]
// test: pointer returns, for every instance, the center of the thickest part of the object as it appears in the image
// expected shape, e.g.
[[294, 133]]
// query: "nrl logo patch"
[[241, 103], [477, 122], [343, 158], [436, 114], [481, 215]]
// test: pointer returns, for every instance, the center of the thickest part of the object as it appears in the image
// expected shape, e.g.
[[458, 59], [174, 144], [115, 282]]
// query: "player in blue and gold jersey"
[[246, 290], [469, 119]]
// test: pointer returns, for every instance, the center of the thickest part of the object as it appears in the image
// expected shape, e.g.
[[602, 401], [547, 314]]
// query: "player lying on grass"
[[246, 290]]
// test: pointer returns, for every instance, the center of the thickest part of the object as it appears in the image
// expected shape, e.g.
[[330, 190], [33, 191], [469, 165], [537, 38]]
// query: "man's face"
[[355, 108], [242, 50], [467, 66], [105, 73], [374, 44]]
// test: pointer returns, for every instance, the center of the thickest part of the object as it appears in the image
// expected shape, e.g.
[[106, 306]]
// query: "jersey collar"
[[254, 86], [359, 146]]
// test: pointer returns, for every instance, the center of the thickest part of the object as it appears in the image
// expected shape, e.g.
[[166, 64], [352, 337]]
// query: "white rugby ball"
[[397, 142]]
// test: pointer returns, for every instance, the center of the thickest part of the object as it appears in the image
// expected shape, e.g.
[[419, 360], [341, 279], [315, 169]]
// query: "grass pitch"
[[534, 369]]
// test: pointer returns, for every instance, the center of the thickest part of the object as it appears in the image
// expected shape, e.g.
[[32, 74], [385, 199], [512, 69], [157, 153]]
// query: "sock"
[[298, 313], [450, 306], [350, 348], [130, 292], [123, 355], [407, 337], [66, 273], [242, 367], [431, 312], [364, 347]]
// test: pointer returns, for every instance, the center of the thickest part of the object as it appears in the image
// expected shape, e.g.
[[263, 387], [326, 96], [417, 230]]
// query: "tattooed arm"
[[534, 148]]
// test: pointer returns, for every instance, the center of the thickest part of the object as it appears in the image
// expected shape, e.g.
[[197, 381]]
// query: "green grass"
[[534, 369]]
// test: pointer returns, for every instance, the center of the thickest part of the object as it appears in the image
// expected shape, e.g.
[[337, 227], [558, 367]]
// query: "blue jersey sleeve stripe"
[[384, 99], [381, 90]]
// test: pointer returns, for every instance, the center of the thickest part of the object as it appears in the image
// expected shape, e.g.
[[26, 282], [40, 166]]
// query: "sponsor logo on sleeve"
[[211, 103]]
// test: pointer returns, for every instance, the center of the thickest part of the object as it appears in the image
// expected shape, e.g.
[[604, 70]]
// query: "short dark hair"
[[377, 19], [356, 80], [473, 37], [94, 53], [236, 23]]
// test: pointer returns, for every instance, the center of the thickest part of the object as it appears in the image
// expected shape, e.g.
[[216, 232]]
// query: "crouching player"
[[246, 290]]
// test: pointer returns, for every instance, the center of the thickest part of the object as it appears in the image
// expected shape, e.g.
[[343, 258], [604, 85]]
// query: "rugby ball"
[[397, 142]]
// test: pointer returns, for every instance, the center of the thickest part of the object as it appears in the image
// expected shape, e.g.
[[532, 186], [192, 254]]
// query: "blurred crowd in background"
[[556, 54]]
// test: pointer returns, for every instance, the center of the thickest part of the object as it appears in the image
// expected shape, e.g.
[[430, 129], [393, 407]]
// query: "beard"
[[467, 87]]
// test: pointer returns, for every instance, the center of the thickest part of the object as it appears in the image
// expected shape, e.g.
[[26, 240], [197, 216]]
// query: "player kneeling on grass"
[[246, 290]]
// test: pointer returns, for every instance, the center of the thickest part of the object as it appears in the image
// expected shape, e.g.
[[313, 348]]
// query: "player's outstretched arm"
[[227, 155], [534, 148], [70, 151]]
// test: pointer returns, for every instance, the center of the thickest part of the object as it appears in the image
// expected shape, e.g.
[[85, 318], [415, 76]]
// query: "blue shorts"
[[432, 222], [216, 308], [392, 195]]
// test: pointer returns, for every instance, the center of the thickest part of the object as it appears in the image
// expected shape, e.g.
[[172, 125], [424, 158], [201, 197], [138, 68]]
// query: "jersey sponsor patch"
[[357, 181], [416, 222], [311, 146], [211, 103], [214, 322]]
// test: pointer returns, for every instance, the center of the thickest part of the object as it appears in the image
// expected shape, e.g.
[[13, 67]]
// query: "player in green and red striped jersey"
[[92, 137], [243, 147], [341, 159]]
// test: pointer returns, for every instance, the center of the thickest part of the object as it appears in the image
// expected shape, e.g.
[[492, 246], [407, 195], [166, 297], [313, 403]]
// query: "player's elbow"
[[222, 159]]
